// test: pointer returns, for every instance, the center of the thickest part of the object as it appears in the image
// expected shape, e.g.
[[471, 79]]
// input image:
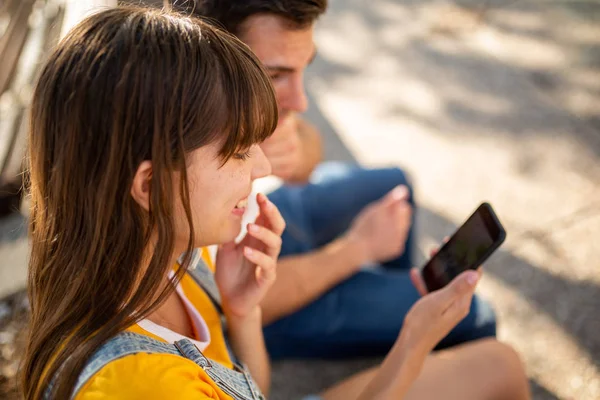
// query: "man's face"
[[285, 52]]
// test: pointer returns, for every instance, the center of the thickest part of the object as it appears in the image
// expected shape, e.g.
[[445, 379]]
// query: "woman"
[[143, 146]]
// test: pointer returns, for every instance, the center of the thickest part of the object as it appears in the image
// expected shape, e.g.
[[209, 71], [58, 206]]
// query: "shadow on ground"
[[474, 88]]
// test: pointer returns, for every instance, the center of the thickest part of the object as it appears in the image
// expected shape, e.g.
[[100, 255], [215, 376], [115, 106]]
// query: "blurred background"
[[478, 100]]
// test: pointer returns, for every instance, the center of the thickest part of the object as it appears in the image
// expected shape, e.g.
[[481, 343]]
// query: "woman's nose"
[[262, 166]]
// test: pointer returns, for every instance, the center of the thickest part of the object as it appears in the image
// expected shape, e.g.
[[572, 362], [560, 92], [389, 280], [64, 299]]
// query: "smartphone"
[[468, 248]]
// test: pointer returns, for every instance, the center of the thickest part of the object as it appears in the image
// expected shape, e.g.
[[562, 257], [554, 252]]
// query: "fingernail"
[[253, 228], [248, 251], [472, 277], [400, 191]]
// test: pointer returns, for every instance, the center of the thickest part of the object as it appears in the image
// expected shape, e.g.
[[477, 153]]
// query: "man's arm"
[[303, 278], [311, 147], [377, 234]]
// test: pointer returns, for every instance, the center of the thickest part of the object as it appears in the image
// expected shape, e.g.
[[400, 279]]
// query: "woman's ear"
[[140, 189]]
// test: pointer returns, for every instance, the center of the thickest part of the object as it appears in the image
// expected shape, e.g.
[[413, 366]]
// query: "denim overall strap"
[[122, 345], [205, 278], [237, 383]]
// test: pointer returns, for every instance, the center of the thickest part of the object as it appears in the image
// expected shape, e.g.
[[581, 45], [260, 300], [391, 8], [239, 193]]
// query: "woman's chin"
[[226, 232], [229, 232]]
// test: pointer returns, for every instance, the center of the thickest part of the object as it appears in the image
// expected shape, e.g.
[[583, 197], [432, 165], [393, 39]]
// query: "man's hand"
[[284, 149], [245, 271], [382, 227]]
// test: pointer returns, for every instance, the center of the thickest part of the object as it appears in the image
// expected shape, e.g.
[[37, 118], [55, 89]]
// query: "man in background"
[[343, 285]]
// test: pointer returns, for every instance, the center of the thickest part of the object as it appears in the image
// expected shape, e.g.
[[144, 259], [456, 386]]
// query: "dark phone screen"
[[468, 245]]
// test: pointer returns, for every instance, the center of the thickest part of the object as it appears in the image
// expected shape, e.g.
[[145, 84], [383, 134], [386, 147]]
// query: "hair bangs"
[[251, 103]]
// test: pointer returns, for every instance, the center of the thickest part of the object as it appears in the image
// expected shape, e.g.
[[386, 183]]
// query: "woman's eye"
[[242, 156]]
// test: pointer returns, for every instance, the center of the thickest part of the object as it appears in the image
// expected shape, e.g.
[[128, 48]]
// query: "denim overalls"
[[235, 382]]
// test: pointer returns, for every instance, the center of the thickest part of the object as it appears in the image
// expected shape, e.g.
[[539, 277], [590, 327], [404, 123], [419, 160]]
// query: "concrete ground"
[[496, 101]]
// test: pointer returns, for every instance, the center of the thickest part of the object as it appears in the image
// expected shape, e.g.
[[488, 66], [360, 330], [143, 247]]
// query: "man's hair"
[[231, 14]]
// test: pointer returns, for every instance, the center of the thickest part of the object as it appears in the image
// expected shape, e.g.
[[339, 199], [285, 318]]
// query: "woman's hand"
[[245, 271], [432, 317], [417, 278], [428, 321], [445, 308]]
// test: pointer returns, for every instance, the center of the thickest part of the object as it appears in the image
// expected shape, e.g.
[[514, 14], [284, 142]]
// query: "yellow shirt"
[[164, 376]]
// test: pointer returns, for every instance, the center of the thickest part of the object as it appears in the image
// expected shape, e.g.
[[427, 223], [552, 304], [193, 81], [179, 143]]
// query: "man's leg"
[[363, 316], [321, 211]]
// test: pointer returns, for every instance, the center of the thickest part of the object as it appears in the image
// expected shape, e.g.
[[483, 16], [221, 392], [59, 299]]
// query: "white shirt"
[[170, 336]]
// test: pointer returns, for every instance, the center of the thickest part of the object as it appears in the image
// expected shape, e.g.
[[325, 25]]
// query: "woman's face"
[[218, 193]]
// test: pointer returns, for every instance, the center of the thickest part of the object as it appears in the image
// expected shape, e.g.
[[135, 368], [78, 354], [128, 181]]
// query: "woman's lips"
[[238, 211], [240, 207]]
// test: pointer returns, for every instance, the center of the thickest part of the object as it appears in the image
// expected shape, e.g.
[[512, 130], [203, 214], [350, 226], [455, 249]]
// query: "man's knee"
[[481, 321], [484, 316], [397, 176], [479, 324], [385, 179], [402, 176]]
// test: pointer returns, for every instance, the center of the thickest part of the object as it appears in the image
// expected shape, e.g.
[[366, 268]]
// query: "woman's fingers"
[[417, 281], [271, 214], [433, 316], [266, 265], [271, 240], [458, 310], [461, 286]]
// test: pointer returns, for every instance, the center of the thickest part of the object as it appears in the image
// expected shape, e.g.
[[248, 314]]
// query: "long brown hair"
[[125, 85]]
